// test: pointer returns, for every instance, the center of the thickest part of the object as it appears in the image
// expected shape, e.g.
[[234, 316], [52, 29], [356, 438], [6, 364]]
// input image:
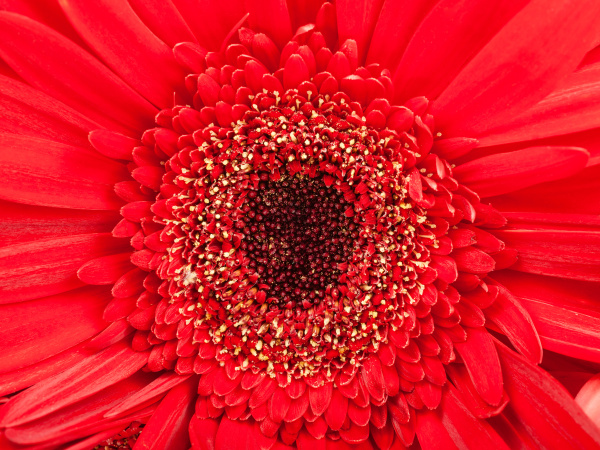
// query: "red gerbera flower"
[[355, 225]]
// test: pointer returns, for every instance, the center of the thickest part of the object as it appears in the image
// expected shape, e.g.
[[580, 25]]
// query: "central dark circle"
[[296, 236]]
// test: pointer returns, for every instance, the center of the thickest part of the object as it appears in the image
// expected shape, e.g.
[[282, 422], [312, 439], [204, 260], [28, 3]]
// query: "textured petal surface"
[[84, 379], [35, 330], [122, 40], [48, 173], [508, 172], [540, 46], [545, 409], [168, 427], [24, 223], [71, 75], [48, 266]]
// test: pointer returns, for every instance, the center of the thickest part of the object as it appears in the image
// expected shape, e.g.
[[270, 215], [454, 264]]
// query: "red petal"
[[515, 322], [279, 404], [106, 269], [71, 75], [297, 408], [517, 67], [589, 399], [16, 380], [165, 21], [203, 433], [29, 112], [295, 72], [566, 254], [355, 434], [25, 332], [307, 441], [573, 195], [129, 284], [356, 20], [84, 379], [320, 398], [360, 416], [262, 392], [167, 429], [149, 176], [24, 223], [272, 18], [469, 396], [432, 434], [122, 40], [571, 108], [565, 329], [372, 376], [481, 360], [507, 172], [266, 51], [471, 260], [296, 388], [147, 395], [218, 18], [445, 267], [114, 145], [464, 429], [449, 36], [46, 173], [336, 412], [82, 418], [242, 435], [48, 266], [395, 26], [429, 393], [548, 413]]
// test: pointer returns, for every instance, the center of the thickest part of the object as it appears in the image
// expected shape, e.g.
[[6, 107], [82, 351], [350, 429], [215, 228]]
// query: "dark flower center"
[[295, 236]]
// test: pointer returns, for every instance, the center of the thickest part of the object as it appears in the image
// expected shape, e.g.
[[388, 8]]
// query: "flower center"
[[295, 236], [294, 242]]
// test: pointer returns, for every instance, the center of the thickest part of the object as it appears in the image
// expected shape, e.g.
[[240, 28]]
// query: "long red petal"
[[46, 173], [24, 223], [270, 17], [216, 21], [519, 66], [147, 395], [356, 20], [28, 376], [544, 408], [38, 329], [82, 418], [395, 26], [573, 195], [464, 429], [122, 40], [565, 254], [571, 108], [451, 34], [84, 379], [165, 21], [167, 429], [515, 322], [589, 399], [507, 172], [482, 363], [27, 111], [71, 75], [49, 266]]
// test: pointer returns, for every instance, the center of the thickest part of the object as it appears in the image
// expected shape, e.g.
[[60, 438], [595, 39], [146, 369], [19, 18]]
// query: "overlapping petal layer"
[[493, 182]]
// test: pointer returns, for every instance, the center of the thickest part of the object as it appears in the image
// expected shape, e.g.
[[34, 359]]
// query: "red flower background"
[[301, 224]]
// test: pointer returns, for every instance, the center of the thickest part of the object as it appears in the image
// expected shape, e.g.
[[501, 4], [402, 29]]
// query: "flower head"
[[353, 225]]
